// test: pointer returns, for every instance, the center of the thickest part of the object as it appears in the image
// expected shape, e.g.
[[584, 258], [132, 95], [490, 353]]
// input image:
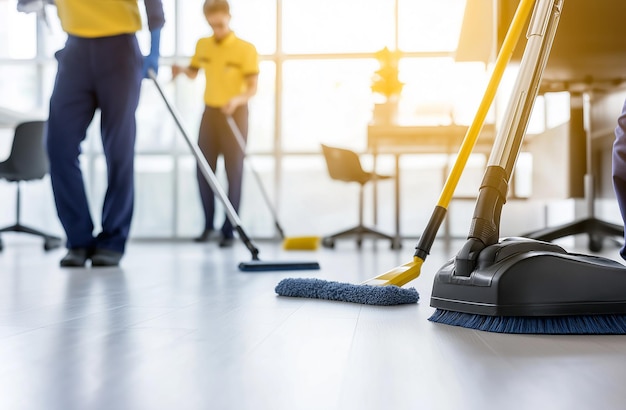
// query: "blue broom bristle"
[[551, 325], [346, 292]]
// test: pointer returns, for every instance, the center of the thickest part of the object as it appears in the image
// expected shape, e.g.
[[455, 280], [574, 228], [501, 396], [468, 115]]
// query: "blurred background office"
[[315, 86]]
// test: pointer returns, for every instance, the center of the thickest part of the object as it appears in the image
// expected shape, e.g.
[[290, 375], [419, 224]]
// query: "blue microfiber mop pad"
[[346, 292]]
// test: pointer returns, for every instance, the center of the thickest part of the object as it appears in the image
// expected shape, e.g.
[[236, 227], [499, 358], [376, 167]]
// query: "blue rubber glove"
[[151, 61]]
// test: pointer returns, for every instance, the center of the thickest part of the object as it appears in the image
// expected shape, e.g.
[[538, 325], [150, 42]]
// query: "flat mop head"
[[525, 286], [262, 266], [302, 243], [346, 292]]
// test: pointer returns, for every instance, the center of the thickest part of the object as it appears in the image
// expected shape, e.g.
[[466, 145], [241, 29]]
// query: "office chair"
[[345, 165], [596, 229], [27, 161]]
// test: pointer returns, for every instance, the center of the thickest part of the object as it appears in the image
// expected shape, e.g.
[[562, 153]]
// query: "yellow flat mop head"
[[302, 243]]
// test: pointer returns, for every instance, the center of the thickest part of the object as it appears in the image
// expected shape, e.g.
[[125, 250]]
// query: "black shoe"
[[106, 257], [75, 258], [227, 242], [204, 237]]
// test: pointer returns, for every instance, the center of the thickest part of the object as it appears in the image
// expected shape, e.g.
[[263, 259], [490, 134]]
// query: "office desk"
[[413, 139]]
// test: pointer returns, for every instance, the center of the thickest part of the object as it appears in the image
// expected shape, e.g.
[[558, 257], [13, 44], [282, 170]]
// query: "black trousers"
[[215, 138]]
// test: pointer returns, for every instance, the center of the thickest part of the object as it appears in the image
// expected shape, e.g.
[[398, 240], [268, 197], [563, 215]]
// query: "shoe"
[[106, 257], [204, 237], [75, 258], [226, 242]]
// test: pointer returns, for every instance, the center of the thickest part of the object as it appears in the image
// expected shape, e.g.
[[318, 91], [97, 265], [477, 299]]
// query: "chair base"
[[359, 231], [595, 228], [50, 241]]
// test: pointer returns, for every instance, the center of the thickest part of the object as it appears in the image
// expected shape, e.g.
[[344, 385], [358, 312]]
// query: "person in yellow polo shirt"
[[100, 68], [231, 67]]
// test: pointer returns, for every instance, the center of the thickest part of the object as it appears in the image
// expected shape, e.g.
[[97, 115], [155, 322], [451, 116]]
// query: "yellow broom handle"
[[524, 10]]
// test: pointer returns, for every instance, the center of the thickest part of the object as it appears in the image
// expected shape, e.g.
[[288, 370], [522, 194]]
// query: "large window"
[[426, 25], [317, 63], [330, 26], [18, 33], [439, 91], [326, 101]]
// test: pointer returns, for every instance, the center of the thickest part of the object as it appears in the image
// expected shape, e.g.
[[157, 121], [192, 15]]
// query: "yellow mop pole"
[[403, 274]]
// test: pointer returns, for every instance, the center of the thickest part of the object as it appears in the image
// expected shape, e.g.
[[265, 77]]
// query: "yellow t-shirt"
[[226, 65], [99, 18]]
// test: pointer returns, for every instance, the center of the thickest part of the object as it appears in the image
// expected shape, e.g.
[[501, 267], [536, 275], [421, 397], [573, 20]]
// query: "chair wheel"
[[51, 243], [328, 243], [595, 243], [396, 244]]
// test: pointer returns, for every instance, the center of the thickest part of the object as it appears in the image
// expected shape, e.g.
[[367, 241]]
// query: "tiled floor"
[[177, 326]]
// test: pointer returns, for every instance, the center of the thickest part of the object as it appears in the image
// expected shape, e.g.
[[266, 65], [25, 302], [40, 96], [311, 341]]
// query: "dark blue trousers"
[[619, 166], [95, 73], [215, 138]]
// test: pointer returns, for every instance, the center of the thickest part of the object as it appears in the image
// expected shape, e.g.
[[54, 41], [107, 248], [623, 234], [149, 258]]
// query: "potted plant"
[[385, 83]]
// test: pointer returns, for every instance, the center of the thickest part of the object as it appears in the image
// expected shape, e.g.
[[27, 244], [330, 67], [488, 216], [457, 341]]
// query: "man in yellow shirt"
[[231, 67], [100, 67]]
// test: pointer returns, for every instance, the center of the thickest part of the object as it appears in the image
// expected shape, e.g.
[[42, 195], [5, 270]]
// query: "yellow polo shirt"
[[226, 65], [99, 18]]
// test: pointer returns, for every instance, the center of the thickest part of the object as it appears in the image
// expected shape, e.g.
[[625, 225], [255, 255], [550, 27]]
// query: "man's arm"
[[155, 14], [32, 6], [156, 20]]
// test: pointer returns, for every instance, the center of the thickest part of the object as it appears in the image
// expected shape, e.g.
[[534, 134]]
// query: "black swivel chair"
[[345, 165], [27, 161]]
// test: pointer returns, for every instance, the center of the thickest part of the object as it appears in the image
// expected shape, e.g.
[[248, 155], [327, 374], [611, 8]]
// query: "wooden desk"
[[413, 139]]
